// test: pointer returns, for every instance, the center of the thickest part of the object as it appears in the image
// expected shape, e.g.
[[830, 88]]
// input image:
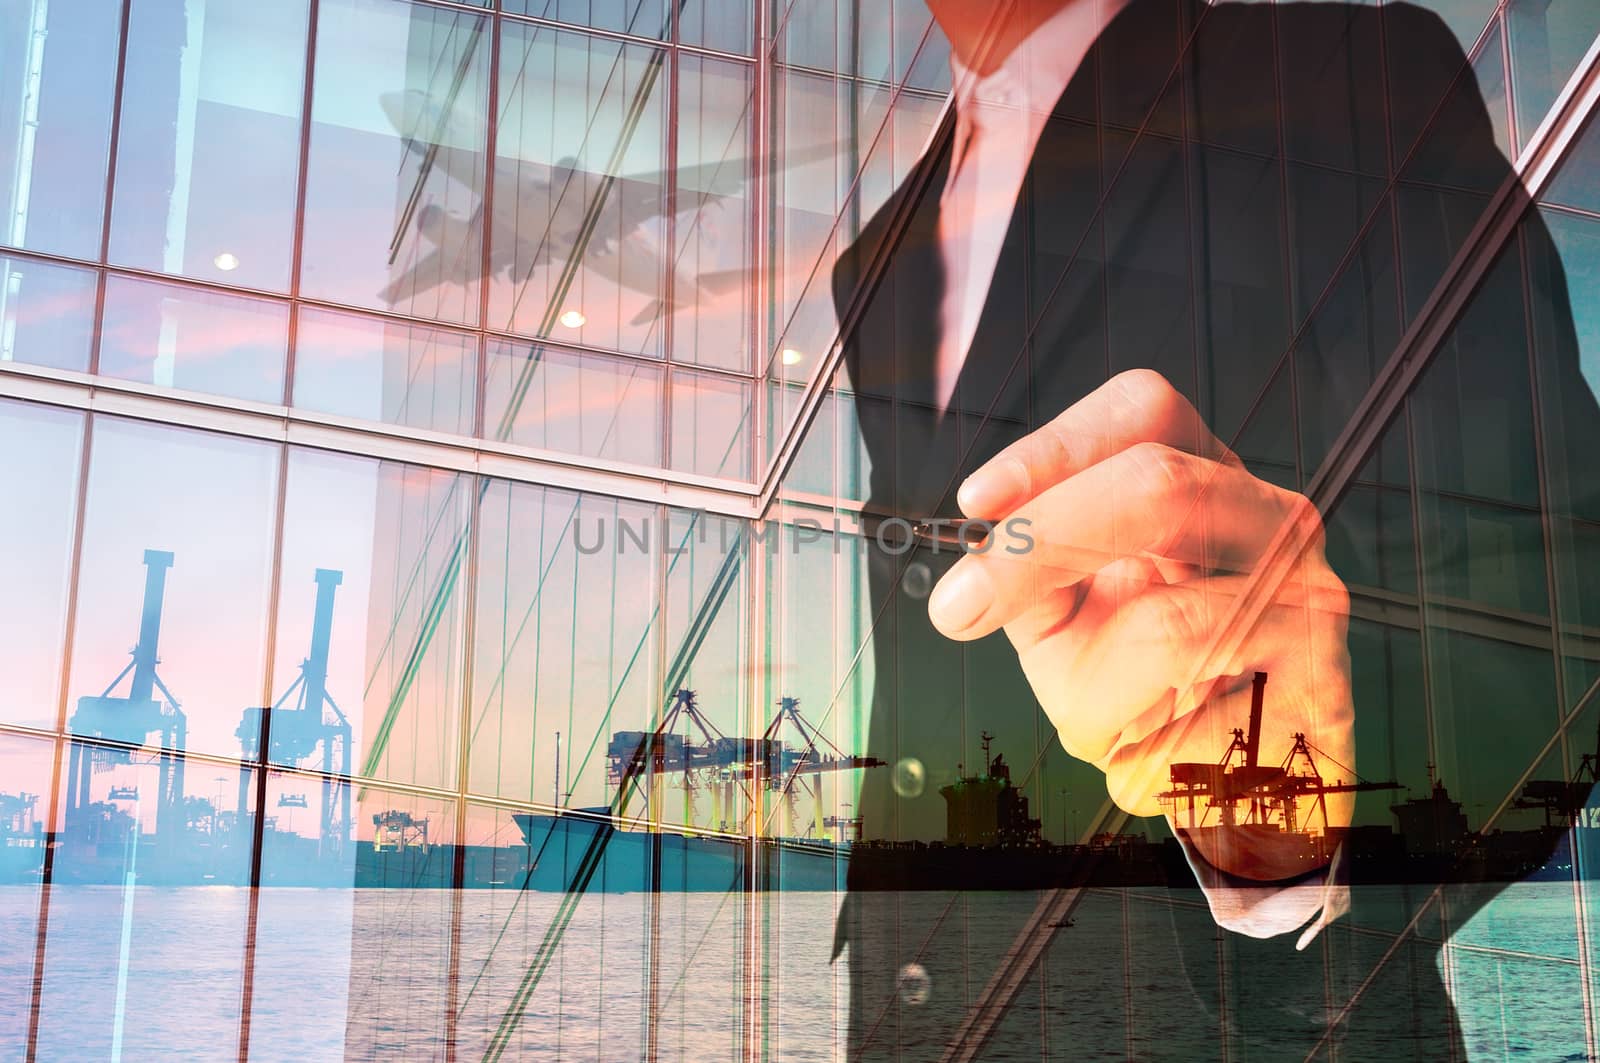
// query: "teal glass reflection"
[[1548, 38], [721, 25], [1577, 182], [641, 18]]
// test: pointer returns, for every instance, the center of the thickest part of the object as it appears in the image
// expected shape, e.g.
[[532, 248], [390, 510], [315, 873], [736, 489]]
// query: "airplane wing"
[[425, 274], [455, 137], [445, 235], [642, 196]]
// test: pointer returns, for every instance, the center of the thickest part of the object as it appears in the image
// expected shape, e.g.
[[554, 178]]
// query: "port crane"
[[305, 721], [125, 722], [802, 768], [1245, 792], [1563, 800], [729, 767]]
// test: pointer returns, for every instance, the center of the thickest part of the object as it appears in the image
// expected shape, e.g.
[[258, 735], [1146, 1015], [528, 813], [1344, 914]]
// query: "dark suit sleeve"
[[1505, 420]]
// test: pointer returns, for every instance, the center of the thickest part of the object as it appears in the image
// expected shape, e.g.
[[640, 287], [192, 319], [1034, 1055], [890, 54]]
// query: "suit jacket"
[[1254, 200]]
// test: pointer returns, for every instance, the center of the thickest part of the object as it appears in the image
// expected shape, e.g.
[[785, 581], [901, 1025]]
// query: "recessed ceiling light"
[[227, 261], [573, 319], [790, 356]]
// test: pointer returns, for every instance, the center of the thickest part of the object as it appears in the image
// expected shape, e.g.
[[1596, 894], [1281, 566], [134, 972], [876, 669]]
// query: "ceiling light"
[[227, 261], [790, 356], [573, 319]]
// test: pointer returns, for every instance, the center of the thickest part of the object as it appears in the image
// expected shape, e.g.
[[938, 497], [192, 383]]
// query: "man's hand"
[[1128, 614]]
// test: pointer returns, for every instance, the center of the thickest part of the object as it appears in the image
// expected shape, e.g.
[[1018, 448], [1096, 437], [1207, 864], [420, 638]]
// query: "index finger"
[[1137, 406], [1148, 500]]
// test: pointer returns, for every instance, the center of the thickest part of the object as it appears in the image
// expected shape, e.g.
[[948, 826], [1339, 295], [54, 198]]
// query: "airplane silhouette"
[[629, 260]]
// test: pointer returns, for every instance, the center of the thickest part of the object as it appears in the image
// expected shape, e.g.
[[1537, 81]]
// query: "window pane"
[[1548, 39], [26, 765], [177, 545], [385, 371], [566, 640], [579, 188], [46, 313], [706, 621], [301, 987], [1564, 252], [392, 540], [711, 424], [395, 180], [1577, 182], [725, 25], [711, 285], [586, 404], [209, 146], [643, 18], [123, 943], [196, 340], [58, 65], [404, 850], [592, 996], [41, 493]]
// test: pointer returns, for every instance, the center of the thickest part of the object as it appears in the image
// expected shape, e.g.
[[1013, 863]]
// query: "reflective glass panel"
[[643, 18], [394, 186], [707, 569], [711, 268], [566, 640], [36, 555], [26, 766], [401, 918], [723, 25], [196, 340], [208, 149], [131, 929], [712, 423], [301, 987], [589, 404], [546, 967], [367, 673], [169, 643], [579, 241], [381, 370], [1548, 39], [58, 68], [46, 313]]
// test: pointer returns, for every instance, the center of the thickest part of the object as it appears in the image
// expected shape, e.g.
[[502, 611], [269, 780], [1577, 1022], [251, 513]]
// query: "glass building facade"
[[407, 404]]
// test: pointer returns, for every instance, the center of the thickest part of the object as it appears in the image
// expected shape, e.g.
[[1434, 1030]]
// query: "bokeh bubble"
[[917, 579], [914, 985], [909, 777]]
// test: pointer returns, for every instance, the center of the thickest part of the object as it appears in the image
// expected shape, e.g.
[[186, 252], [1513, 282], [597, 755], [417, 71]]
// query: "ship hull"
[[586, 852]]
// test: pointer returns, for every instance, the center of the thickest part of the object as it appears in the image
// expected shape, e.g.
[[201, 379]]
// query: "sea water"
[[147, 973]]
